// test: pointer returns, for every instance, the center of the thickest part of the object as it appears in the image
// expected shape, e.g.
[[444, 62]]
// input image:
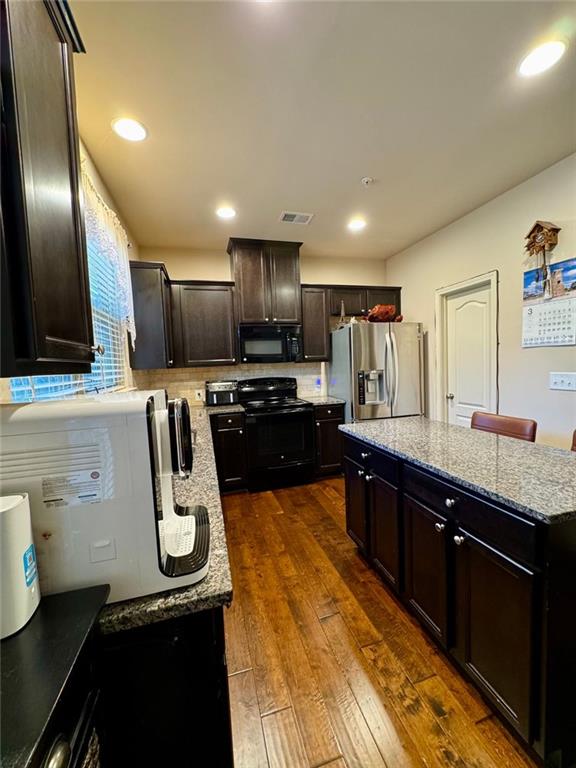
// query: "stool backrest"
[[509, 426]]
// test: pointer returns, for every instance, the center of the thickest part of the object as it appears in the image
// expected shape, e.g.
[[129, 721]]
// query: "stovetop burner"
[[275, 404]]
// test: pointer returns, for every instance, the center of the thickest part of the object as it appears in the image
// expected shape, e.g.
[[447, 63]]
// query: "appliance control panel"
[[361, 388]]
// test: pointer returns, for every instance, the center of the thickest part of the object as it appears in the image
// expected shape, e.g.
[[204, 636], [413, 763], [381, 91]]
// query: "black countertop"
[[36, 664]]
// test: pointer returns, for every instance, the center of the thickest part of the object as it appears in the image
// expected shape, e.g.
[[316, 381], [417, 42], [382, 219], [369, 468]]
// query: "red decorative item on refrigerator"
[[384, 313]]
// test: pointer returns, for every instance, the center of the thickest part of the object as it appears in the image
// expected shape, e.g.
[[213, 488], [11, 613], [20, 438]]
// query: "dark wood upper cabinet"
[[152, 316], [495, 626], [47, 324], [426, 566], [267, 277], [359, 300], [204, 323], [354, 301], [315, 327]]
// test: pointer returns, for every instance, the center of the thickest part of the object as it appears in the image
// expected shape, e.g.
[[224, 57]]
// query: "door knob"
[[360, 473], [459, 540], [450, 396], [439, 527], [450, 503]]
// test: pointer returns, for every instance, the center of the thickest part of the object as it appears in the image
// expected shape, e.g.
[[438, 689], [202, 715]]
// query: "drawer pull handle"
[[59, 756], [364, 455], [439, 527], [459, 540], [450, 503], [369, 477], [229, 421], [317, 423], [360, 473], [328, 412]]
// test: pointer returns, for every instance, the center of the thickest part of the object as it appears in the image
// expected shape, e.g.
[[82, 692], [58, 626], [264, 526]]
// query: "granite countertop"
[[214, 590], [232, 408], [537, 480], [323, 400]]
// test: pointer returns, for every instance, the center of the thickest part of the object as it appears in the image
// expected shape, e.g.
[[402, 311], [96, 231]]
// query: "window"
[[112, 313]]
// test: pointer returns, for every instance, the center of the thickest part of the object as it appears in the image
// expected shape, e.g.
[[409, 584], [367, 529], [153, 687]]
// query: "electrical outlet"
[[199, 394], [563, 380]]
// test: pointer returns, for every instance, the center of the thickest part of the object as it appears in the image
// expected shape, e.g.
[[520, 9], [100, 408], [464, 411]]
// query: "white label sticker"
[[83, 487]]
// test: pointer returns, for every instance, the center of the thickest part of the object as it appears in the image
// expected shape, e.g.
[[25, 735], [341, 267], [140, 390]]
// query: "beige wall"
[[215, 265], [492, 238]]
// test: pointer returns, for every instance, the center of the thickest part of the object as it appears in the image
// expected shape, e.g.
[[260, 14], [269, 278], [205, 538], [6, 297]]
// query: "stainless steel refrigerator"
[[377, 369]]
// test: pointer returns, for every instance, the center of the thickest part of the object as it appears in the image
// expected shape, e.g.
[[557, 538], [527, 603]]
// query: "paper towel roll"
[[323, 380]]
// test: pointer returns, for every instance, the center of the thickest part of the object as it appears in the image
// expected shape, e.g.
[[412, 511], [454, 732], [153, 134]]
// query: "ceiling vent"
[[292, 217]]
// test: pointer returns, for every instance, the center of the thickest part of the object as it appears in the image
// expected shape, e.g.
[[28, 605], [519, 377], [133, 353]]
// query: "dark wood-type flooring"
[[326, 667]]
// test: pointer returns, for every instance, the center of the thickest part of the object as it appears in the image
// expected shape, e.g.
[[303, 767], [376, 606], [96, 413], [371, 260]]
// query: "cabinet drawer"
[[514, 535], [378, 462], [228, 420], [322, 412]]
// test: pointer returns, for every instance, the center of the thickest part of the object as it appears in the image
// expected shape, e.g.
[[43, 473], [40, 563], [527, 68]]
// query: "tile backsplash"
[[183, 382]]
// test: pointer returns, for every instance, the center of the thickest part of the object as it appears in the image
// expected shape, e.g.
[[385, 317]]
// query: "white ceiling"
[[286, 105]]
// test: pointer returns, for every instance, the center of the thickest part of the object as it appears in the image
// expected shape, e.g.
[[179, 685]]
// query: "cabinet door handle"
[[369, 477], [275, 319], [317, 423], [244, 359], [59, 756], [306, 356], [459, 540], [170, 362], [99, 349], [328, 412], [450, 503], [240, 432], [267, 319], [229, 421], [360, 473], [363, 455], [439, 527]]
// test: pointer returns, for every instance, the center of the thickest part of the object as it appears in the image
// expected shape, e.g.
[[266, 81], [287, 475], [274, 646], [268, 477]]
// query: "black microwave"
[[270, 343]]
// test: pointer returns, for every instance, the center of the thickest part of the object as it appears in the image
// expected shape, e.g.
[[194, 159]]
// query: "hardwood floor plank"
[[459, 727], [247, 733], [237, 650], [354, 736], [394, 742], [264, 653], [503, 747], [307, 701], [434, 744], [284, 744]]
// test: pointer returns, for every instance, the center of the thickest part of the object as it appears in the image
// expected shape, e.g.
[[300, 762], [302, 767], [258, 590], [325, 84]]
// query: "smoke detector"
[[366, 181], [294, 217]]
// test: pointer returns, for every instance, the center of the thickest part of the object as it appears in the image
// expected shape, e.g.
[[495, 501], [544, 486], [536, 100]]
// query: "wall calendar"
[[549, 306]]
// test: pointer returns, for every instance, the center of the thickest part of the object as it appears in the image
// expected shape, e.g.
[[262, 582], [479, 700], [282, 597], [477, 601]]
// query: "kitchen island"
[[476, 534]]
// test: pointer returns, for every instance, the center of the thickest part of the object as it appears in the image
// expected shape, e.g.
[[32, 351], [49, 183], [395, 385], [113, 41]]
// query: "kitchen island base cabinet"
[[495, 626], [356, 518], [165, 694], [427, 566], [493, 586]]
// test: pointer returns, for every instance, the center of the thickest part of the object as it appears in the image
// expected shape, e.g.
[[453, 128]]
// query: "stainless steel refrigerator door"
[[369, 353], [406, 382]]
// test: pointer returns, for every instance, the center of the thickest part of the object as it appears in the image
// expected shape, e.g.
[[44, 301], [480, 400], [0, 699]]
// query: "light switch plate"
[[563, 380]]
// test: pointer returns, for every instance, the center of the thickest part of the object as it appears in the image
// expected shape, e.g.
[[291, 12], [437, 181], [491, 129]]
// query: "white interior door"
[[470, 364]]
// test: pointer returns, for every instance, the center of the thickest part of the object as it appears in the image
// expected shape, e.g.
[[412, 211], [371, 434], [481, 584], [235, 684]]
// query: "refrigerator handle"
[[396, 369], [387, 363]]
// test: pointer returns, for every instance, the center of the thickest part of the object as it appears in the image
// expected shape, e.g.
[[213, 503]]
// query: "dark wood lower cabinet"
[[494, 637], [356, 519], [228, 437], [384, 529], [426, 555], [165, 695], [329, 440]]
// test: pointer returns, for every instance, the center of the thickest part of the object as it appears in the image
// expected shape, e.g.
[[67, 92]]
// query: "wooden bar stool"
[[509, 426]]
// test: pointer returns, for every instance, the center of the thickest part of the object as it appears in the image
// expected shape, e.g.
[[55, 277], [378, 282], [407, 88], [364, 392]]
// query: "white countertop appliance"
[[98, 471], [18, 572], [377, 368]]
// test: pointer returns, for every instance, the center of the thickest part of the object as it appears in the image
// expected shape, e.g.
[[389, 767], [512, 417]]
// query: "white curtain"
[[103, 224]]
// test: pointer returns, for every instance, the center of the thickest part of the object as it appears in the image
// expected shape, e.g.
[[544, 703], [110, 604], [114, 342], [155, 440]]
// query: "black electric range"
[[279, 432]]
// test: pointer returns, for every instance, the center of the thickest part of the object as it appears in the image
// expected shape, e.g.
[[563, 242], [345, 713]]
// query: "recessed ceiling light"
[[356, 224], [226, 212], [129, 129], [542, 58]]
